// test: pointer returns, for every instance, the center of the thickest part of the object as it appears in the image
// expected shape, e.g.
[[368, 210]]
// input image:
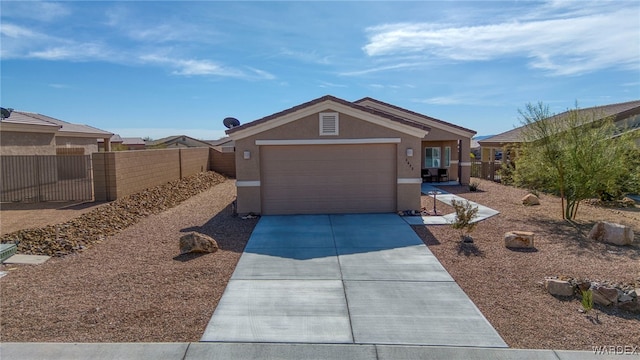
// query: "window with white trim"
[[432, 157], [329, 123], [447, 156]]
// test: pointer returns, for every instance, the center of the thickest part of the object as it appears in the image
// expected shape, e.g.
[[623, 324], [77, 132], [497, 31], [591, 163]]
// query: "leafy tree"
[[576, 155]]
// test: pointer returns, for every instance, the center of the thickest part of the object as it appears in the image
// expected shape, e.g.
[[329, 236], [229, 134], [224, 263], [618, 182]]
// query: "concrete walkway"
[[345, 279], [445, 197]]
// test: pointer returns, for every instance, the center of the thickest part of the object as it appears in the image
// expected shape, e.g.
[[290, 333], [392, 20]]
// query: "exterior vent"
[[228, 149], [329, 123]]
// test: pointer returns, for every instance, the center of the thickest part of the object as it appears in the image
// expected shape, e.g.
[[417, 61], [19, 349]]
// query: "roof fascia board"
[[83, 135], [413, 117], [326, 105]]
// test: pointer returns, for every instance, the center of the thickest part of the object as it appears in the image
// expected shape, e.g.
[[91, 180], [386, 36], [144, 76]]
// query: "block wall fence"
[[121, 173]]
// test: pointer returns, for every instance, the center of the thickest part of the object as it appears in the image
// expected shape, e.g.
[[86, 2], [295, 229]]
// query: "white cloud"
[[381, 68], [306, 56], [326, 84], [59, 86], [261, 74], [35, 10], [73, 52], [562, 45], [443, 100], [21, 42]]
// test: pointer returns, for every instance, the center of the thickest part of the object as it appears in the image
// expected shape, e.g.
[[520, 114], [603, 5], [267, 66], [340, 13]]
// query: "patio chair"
[[443, 175], [427, 176]]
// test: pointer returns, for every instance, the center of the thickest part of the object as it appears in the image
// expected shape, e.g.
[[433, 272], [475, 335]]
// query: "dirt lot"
[[135, 287], [17, 216]]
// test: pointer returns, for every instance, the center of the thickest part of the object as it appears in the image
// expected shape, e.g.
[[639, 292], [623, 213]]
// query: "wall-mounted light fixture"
[[409, 152], [246, 155]]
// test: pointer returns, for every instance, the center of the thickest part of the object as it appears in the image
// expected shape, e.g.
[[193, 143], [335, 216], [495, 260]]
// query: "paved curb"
[[197, 351]]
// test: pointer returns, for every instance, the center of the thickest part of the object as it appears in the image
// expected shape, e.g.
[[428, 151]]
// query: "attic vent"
[[329, 123]]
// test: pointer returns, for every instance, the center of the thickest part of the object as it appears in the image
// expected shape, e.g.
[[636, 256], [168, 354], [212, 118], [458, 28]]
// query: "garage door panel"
[[328, 179]]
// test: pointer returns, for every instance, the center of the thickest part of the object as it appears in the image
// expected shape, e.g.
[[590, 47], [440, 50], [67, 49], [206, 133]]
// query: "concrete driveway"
[[364, 279]]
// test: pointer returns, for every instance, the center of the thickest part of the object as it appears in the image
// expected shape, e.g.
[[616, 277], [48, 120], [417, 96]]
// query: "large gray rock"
[[611, 233], [604, 295], [196, 242], [633, 306], [558, 287], [530, 200], [519, 239]]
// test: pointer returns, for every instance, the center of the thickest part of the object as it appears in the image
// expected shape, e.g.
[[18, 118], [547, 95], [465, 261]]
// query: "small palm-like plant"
[[465, 212], [587, 302]]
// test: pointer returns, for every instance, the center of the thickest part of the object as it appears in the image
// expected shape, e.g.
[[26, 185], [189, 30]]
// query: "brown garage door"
[[328, 179]]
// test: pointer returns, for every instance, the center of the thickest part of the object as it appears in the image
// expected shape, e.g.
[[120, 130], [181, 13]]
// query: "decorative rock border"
[[625, 297]]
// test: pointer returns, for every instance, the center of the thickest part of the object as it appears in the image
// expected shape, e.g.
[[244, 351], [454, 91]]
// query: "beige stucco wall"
[[441, 138], [408, 197], [90, 145], [27, 143], [120, 173], [222, 162]]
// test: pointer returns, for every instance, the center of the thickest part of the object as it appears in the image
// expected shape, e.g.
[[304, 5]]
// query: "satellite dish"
[[6, 112], [230, 122]]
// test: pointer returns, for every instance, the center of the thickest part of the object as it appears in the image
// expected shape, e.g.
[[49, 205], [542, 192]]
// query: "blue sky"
[[159, 68]]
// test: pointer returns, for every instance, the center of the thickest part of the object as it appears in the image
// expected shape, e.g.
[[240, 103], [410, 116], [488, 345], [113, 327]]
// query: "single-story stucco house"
[[27, 133], [176, 141], [126, 143], [330, 155], [626, 117]]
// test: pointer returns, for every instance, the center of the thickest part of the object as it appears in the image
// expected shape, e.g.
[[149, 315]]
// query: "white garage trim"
[[248, 183], [465, 163], [329, 141], [409, 181]]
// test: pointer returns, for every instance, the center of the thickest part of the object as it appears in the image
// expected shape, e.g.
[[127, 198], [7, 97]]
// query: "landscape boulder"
[[530, 200], [611, 233], [519, 239], [557, 287], [632, 306], [604, 295], [198, 243]]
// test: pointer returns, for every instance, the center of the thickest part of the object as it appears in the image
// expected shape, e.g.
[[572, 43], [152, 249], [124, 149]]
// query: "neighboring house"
[[334, 156], [176, 141], [26, 133], [120, 143], [226, 144], [223, 158], [626, 117]]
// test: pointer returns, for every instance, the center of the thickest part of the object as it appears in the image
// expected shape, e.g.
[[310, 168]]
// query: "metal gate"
[[37, 178]]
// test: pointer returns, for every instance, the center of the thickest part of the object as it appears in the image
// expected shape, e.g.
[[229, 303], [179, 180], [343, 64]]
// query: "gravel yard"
[[506, 285], [133, 286]]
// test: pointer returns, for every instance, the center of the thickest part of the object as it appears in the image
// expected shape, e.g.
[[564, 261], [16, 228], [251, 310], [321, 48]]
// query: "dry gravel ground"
[[18, 216], [506, 285], [134, 287]]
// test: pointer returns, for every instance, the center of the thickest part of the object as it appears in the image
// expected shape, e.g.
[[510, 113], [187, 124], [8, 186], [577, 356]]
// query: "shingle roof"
[[115, 139], [29, 118], [175, 138], [19, 117], [334, 99], [429, 118], [618, 111], [133, 141]]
